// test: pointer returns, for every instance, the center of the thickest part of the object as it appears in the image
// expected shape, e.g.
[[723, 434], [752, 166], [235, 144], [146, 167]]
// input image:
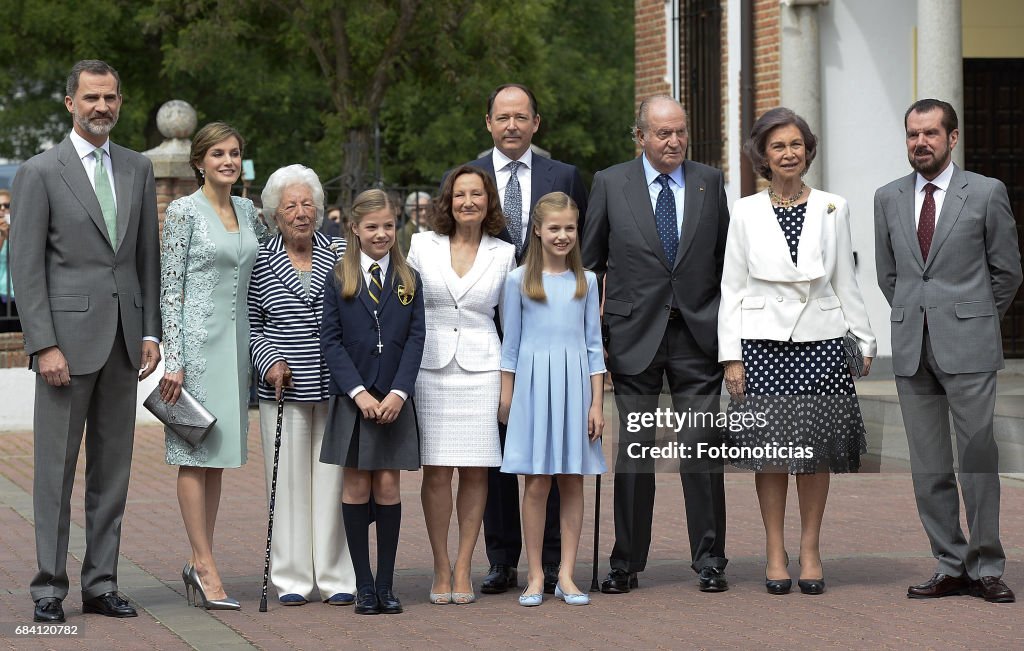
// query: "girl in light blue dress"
[[552, 380]]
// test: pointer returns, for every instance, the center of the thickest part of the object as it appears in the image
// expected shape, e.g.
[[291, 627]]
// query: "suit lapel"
[[638, 197], [324, 260], [124, 182], [693, 204], [905, 215], [281, 267], [808, 255], [541, 182], [77, 181], [952, 206]]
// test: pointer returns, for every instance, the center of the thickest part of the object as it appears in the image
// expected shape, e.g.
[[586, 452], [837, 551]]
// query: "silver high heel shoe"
[[189, 594], [227, 603]]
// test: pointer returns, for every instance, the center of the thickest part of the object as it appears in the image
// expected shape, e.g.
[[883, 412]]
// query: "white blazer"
[[460, 311], [766, 296]]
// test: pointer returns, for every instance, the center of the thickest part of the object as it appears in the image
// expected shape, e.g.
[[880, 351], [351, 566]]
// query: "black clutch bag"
[[187, 418], [854, 358]]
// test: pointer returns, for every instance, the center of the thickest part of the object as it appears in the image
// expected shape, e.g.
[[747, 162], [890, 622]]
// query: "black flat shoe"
[[811, 586], [366, 602], [778, 586], [48, 609], [619, 582], [550, 577], [389, 603], [110, 604]]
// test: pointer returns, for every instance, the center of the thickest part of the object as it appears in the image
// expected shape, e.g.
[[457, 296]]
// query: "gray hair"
[[414, 198], [281, 179], [644, 110]]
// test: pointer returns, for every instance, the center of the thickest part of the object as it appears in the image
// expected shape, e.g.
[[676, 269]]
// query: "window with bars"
[[702, 72]]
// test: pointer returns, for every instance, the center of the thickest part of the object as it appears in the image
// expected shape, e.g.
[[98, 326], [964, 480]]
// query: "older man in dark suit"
[[948, 262], [522, 178], [656, 229], [87, 270]]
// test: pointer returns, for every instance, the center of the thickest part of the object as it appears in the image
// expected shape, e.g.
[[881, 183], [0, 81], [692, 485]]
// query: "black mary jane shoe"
[[389, 603], [811, 586], [366, 602]]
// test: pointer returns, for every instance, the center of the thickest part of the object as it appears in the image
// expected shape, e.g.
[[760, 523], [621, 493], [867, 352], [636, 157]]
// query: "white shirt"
[[85, 150], [502, 175], [942, 183], [365, 262], [677, 184]]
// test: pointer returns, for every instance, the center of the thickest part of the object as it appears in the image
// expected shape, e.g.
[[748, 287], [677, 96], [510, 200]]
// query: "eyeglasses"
[[5, 206]]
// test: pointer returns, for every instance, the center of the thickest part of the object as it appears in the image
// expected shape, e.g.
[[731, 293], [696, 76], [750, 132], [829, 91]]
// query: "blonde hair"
[[348, 271], [533, 278]]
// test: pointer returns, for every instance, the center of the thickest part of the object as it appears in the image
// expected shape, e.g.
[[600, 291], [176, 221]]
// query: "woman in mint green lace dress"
[[209, 245]]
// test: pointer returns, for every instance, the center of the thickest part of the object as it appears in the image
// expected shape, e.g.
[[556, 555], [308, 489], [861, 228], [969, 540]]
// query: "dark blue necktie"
[[514, 207], [665, 218]]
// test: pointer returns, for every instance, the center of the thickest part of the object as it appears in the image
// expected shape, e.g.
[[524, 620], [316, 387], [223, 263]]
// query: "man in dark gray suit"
[[522, 178], [656, 229], [87, 270], [948, 262]]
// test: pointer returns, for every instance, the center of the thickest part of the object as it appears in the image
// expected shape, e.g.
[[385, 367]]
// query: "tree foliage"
[[328, 82]]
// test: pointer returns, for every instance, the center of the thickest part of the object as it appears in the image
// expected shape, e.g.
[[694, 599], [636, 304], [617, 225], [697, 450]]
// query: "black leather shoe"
[[940, 585], [619, 582], [811, 586], [992, 589], [366, 602], [712, 579], [499, 579], [778, 586], [389, 603], [110, 604], [49, 609], [550, 577]]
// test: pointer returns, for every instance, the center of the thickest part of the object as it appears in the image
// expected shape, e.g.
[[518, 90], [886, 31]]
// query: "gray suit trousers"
[[103, 404], [927, 398]]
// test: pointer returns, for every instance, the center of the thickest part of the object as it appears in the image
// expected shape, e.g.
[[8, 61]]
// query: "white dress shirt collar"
[[500, 161], [941, 181], [86, 148], [652, 174], [366, 261]]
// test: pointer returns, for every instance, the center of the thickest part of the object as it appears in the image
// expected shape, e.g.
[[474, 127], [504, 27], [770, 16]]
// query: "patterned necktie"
[[665, 218], [926, 224], [514, 207], [376, 285], [106, 197]]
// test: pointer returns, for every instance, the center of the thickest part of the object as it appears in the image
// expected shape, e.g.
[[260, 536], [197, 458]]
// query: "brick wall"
[[767, 67], [651, 68], [167, 190], [12, 350]]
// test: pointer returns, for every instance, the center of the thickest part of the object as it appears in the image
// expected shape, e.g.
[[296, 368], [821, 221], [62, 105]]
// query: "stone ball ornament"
[[176, 119]]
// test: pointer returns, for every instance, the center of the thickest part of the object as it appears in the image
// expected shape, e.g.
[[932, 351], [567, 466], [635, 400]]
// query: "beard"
[[96, 126], [935, 165]]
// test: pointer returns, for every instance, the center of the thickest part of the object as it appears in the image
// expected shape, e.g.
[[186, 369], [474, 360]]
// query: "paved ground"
[[873, 546]]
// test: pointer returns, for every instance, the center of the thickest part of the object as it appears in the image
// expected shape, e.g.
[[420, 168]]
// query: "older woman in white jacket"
[[789, 296]]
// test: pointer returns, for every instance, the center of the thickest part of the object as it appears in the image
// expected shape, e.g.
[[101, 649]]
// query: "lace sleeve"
[[255, 223], [173, 259]]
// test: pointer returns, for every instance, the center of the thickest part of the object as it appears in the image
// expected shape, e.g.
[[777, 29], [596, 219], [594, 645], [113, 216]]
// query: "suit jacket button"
[[803, 300], [926, 278], [114, 295], [455, 329], [921, 308], [668, 307], [778, 298]]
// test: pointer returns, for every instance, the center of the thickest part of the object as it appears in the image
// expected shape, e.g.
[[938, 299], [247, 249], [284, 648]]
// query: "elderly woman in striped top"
[[309, 559]]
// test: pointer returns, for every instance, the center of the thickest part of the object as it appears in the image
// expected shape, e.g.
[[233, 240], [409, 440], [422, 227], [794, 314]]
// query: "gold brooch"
[[831, 208], [404, 296]]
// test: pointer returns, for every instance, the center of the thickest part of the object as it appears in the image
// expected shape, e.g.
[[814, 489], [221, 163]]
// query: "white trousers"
[[309, 555]]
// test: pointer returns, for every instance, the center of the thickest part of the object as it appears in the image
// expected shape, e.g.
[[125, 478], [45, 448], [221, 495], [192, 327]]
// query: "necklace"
[[788, 201]]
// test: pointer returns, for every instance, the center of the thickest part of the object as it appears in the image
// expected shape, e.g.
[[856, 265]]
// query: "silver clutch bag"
[[187, 418], [854, 358]]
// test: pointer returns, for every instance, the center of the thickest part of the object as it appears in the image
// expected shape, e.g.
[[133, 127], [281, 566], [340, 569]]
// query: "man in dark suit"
[[87, 270], [656, 231], [948, 262], [522, 178]]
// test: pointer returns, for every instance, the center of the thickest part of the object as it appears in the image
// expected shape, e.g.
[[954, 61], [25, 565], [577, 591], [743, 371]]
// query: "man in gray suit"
[[948, 262], [87, 268], [656, 229]]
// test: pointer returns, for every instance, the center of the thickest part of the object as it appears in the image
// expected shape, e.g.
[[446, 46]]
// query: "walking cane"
[[594, 587], [273, 497]]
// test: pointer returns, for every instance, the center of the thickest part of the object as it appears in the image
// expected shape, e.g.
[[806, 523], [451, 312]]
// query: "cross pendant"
[[380, 348]]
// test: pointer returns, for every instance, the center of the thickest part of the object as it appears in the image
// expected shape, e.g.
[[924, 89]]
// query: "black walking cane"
[[594, 587], [273, 497]]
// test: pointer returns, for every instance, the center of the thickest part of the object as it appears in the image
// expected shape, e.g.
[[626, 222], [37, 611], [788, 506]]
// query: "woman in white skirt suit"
[[463, 268]]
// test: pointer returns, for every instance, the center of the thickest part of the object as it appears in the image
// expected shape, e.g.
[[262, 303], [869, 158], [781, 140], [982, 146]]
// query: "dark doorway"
[[993, 129]]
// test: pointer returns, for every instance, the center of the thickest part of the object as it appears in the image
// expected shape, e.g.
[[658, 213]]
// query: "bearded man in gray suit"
[[948, 262], [656, 229], [86, 262]]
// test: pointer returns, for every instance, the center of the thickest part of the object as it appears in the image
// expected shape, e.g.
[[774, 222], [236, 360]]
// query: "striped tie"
[[376, 285]]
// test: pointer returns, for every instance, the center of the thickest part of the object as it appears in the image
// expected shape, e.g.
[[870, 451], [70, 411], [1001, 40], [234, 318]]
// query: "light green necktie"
[[106, 197]]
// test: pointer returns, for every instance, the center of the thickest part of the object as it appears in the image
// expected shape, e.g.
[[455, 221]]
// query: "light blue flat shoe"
[[529, 600], [577, 599]]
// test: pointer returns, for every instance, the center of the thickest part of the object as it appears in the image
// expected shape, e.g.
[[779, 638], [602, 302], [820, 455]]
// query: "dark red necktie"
[[926, 224]]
